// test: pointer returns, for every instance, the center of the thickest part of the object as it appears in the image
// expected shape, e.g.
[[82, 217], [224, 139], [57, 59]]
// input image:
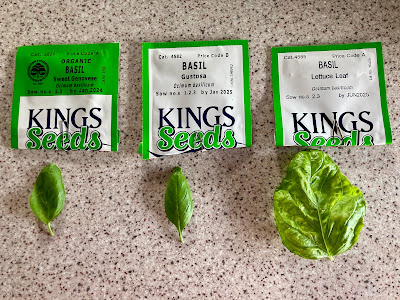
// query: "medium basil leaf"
[[178, 201], [48, 195], [318, 212]]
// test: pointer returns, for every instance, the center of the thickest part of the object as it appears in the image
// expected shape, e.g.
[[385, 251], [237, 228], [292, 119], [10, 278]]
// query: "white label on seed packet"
[[70, 122]]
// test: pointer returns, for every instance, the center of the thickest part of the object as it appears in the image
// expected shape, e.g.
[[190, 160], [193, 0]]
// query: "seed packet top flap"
[[330, 95], [65, 97], [196, 97]]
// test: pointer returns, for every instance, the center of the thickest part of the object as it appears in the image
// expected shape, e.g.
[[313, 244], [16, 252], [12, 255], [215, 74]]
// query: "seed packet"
[[196, 96], [330, 95], [65, 97]]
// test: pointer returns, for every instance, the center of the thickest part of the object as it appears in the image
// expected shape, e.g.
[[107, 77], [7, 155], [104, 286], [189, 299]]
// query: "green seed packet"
[[196, 97], [330, 95], [65, 97]]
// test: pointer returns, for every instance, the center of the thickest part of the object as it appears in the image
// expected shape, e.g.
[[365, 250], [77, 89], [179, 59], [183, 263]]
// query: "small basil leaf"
[[48, 195], [178, 201], [318, 212]]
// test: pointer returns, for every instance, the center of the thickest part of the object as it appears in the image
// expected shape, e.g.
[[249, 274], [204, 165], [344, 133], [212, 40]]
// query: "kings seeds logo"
[[38, 70]]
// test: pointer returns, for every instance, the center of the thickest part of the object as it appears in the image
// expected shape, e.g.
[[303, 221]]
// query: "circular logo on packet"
[[38, 70]]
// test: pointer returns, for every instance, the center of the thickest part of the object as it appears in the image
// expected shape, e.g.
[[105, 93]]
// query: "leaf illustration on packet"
[[318, 212]]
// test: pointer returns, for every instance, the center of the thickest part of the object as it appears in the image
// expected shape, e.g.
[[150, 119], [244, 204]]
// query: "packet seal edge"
[[189, 44], [246, 93], [276, 98], [145, 102], [313, 48], [115, 135], [15, 108], [382, 92]]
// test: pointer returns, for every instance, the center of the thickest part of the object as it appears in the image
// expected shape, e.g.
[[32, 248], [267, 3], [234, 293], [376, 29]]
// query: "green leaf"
[[178, 201], [48, 195], [318, 212]]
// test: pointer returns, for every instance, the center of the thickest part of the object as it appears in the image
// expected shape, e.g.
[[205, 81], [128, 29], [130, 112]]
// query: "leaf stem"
[[331, 257], [180, 236], [48, 226]]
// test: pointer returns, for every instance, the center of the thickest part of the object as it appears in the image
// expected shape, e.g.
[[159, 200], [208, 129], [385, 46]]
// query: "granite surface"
[[113, 240]]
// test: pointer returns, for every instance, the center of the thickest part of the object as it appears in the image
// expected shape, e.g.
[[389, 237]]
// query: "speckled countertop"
[[113, 240]]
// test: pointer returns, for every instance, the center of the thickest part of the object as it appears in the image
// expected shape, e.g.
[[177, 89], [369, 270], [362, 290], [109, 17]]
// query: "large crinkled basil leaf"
[[318, 212], [178, 201], [48, 195]]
